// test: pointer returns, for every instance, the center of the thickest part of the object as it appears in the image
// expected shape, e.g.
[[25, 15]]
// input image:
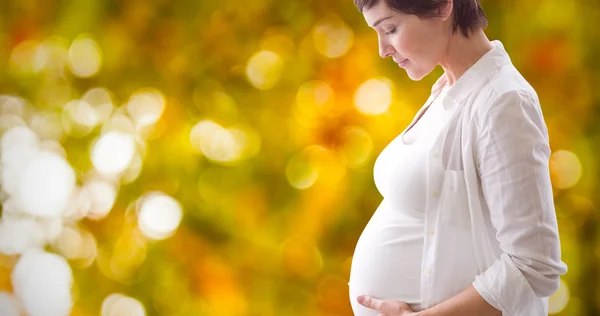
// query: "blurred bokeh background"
[[215, 157]]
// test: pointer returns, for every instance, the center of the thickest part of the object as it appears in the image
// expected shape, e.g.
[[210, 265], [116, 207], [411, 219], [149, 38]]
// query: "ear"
[[445, 11]]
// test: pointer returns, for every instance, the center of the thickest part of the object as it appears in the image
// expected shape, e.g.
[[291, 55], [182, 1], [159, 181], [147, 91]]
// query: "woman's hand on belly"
[[386, 307]]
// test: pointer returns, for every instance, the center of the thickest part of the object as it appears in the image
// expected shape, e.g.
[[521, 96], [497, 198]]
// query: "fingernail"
[[360, 298]]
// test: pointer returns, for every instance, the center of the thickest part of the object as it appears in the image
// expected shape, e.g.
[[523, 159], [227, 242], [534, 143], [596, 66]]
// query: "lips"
[[403, 63]]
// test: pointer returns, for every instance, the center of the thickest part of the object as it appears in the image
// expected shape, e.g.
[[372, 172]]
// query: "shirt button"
[[435, 194], [427, 273], [435, 155], [431, 232]]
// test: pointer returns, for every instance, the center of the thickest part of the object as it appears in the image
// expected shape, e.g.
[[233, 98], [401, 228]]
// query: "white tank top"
[[387, 258]]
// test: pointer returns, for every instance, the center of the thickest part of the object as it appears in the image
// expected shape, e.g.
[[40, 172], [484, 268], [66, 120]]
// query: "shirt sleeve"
[[512, 154]]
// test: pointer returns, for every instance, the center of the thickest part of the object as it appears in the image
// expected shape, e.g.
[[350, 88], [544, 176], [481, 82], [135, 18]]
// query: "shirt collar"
[[478, 72]]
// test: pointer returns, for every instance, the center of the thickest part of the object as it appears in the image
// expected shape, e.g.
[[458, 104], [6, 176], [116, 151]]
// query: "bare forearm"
[[466, 303]]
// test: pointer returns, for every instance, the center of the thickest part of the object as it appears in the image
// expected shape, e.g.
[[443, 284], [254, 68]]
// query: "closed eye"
[[392, 31]]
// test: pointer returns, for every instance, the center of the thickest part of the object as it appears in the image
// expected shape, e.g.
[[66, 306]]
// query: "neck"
[[462, 53]]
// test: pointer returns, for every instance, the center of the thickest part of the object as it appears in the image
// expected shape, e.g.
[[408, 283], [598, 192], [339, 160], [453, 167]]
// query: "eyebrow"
[[380, 20]]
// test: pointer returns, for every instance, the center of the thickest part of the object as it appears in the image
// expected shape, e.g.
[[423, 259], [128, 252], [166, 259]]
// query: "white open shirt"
[[490, 221]]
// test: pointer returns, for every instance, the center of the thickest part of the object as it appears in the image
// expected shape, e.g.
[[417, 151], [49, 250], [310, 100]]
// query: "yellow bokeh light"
[[374, 96], [252, 140], [223, 145], [346, 266], [119, 122], [301, 257], [278, 42], [40, 58], [133, 170], [85, 57], [80, 204], [202, 133], [314, 163], [121, 261], [53, 146], [159, 215], [12, 113], [302, 170], [314, 97], [146, 106], [118, 304], [13, 105], [51, 55], [77, 244], [101, 100], [15, 141], [43, 282], [356, 146], [264, 69], [8, 121], [79, 118], [82, 113], [332, 291], [19, 234], [46, 185], [113, 152], [565, 169], [48, 125], [556, 14], [23, 56], [332, 37], [51, 227], [9, 304], [18, 145], [103, 195], [70, 242], [558, 301], [248, 141]]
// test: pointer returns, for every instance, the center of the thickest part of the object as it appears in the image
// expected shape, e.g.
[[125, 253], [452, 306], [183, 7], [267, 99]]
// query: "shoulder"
[[505, 89]]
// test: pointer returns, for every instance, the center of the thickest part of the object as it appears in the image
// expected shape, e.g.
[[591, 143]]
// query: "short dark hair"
[[468, 14]]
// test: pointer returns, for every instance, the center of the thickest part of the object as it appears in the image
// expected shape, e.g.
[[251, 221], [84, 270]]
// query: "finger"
[[371, 302]]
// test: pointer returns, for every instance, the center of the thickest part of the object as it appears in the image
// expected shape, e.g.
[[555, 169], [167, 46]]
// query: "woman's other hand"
[[386, 307]]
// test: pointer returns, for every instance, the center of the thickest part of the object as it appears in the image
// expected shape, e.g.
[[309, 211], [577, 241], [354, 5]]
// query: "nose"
[[385, 49]]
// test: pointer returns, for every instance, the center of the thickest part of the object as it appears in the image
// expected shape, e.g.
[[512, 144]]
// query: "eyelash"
[[391, 32]]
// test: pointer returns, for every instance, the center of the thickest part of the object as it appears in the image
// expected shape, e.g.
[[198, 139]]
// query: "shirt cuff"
[[504, 287]]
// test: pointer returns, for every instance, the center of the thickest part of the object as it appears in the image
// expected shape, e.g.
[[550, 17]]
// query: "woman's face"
[[415, 44]]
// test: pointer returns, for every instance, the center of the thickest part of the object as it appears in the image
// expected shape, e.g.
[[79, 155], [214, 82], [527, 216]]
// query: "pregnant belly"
[[387, 261]]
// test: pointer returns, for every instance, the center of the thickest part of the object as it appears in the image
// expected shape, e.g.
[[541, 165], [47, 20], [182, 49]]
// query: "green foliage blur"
[[266, 135]]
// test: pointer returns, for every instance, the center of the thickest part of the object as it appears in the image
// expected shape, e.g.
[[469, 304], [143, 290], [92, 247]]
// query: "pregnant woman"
[[467, 224]]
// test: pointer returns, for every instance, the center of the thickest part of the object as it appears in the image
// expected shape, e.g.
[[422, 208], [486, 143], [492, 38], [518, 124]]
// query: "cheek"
[[412, 44], [406, 45], [410, 48], [418, 48]]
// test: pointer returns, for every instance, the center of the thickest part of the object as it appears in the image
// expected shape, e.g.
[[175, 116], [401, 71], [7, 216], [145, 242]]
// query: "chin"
[[416, 76]]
